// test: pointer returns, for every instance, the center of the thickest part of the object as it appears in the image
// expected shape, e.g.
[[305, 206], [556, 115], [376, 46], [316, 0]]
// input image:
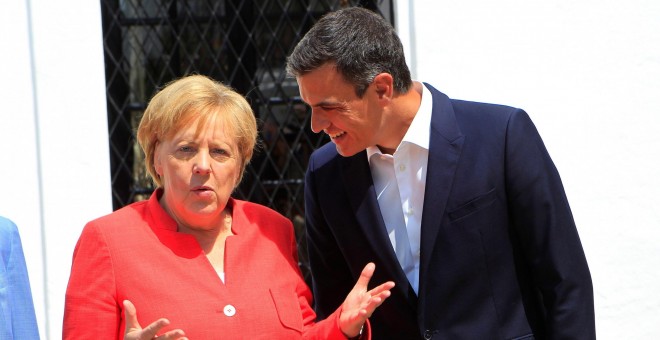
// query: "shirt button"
[[409, 211], [229, 310], [402, 167]]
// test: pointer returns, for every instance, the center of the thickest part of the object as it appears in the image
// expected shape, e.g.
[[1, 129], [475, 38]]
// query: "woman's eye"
[[186, 149], [220, 152]]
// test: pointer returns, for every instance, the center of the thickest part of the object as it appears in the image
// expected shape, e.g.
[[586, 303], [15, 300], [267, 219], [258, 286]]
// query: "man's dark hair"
[[361, 44]]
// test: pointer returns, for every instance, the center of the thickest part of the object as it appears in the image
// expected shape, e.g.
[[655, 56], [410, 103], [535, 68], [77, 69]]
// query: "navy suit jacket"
[[500, 253]]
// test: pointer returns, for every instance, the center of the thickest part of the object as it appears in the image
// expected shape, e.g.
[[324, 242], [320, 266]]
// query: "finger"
[[176, 334], [367, 310], [385, 287], [374, 303], [366, 275], [131, 317], [381, 293], [150, 331], [376, 296]]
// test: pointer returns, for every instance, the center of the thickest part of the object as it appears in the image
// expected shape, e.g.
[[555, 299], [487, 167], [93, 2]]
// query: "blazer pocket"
[[473, 205], [288, 309], [524, 337]]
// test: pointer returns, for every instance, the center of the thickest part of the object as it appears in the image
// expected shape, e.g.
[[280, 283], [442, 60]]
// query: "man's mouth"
[[337, 135]]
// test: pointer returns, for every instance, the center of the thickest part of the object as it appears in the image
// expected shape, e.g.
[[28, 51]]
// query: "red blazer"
[[137, 254]]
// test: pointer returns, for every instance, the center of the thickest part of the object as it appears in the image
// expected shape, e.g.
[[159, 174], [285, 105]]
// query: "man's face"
[[352, 123]]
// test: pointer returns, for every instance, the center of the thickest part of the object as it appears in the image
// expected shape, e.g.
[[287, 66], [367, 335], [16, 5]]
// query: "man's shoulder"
[[324, 154], [464, 105], [327, 157], [476, 106]]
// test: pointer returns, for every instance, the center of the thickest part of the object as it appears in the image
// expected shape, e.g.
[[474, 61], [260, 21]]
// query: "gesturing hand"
[[360, 303], [135, 332]]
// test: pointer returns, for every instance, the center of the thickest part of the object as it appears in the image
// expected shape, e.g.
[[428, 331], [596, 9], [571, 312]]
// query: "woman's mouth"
[[201, 188]]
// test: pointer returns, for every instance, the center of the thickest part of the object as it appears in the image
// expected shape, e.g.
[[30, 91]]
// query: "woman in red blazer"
[[202, 264]]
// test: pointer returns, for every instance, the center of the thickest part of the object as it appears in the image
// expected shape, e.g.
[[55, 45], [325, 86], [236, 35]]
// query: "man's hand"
[[360, 303], [135, 332]]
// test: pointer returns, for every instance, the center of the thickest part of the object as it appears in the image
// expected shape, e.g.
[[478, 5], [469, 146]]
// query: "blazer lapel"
[[445, 146], [362, 196]]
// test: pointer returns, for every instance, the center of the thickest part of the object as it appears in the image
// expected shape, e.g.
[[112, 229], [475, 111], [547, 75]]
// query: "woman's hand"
[[360, 303], [135, 332]]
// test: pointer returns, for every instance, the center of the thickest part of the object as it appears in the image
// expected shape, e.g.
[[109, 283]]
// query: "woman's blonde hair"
[[196, 98]]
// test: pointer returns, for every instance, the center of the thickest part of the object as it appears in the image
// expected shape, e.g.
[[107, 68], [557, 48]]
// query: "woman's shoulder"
[[252, 209], [264, 217], [121, 218]]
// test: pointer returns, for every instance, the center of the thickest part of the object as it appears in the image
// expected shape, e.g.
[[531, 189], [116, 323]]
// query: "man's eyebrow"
[[326, 103]]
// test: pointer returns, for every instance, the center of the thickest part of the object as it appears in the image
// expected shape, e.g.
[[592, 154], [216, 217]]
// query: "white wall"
[[588, 73], [54, 163]]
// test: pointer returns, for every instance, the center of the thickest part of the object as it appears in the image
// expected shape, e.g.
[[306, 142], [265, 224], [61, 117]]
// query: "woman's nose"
[[202, 164]]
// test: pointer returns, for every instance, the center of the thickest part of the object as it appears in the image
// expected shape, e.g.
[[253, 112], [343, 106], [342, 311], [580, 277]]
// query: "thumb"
[[130, 313], [132, 324], [365, 276]]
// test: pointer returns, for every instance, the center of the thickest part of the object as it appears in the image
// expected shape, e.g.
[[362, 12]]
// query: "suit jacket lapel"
[[362, 196], [445, 146]]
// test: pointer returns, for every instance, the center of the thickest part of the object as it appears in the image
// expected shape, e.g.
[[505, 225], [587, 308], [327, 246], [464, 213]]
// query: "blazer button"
[[229, 310], [428, 334]]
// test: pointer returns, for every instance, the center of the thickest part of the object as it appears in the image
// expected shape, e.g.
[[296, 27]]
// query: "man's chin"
[[345, 152]]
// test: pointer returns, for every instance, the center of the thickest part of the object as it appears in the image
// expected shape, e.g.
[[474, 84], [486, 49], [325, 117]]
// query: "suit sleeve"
[[331, 276], [544, 224], [91, 309]]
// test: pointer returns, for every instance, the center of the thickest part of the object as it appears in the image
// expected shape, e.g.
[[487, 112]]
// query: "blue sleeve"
[[17, 317], [549, 237]]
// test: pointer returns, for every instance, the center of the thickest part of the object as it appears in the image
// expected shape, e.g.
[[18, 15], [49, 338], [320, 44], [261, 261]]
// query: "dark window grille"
[[241, 43]]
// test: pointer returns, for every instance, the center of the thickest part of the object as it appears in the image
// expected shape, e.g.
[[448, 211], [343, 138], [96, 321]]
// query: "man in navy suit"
[[458, 202]]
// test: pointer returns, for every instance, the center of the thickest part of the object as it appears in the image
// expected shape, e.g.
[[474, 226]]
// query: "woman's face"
[[198, 173]]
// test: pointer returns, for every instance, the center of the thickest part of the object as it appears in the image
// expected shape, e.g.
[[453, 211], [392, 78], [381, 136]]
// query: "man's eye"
[[333, 108]]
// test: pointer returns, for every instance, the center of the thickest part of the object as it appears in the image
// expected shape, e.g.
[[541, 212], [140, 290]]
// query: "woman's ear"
[[157, 164]]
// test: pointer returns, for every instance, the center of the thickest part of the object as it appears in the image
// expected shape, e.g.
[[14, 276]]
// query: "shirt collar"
[[419, 131]]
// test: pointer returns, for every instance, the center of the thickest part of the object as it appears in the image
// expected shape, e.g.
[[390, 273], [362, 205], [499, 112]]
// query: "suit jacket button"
[[428, 334], [229, 310]]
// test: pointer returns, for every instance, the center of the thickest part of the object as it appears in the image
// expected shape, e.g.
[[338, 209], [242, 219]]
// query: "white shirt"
[[400, 181]]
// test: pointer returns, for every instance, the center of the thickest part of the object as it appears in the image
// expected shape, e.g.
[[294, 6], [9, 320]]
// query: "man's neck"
[[401, 113]]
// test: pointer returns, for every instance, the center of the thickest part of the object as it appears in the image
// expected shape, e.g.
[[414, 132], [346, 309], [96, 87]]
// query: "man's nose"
[[319, 121]]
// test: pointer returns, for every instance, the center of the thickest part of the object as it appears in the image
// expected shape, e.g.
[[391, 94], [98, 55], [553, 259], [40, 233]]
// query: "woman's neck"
[[212, 240]]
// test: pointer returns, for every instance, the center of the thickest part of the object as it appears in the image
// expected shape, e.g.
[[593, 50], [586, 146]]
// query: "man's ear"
[[384, 85]]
